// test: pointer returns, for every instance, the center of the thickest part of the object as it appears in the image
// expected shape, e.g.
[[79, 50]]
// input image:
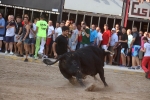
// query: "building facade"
[[98, 12]]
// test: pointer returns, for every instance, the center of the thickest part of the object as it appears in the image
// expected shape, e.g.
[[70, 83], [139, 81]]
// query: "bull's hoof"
[[91, 88], [84, 76], [73, 81], [106, 85]]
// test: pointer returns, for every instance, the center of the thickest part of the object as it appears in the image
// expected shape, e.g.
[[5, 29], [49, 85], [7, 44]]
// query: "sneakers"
[[45, 56], [26, 60], [6, 52], [138, 67], [104, 63], [19, 55], [31, 55], [35, 57], [122, 66], [132, 68], [11, 53]]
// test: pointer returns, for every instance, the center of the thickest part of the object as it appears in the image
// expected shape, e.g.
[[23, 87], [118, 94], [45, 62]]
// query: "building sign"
[[139, 10], [34, 5]]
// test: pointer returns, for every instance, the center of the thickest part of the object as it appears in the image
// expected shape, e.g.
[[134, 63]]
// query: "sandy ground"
[[32, 81]]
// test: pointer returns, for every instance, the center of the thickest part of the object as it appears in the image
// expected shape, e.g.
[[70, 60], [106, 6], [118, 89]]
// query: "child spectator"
[[146, 59]]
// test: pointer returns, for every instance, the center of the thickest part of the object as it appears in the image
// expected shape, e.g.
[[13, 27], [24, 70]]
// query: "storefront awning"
[[48, 6], [112, 7]]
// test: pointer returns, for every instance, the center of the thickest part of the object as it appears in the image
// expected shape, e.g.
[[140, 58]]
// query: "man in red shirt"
[[106, 39]]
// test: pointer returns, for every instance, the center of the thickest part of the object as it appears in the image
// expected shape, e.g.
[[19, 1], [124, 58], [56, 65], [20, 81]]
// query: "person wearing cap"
[[124, 46], [113, 44]]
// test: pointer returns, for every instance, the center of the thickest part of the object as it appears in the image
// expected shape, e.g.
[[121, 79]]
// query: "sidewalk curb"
[[112, 68], [32, 60]]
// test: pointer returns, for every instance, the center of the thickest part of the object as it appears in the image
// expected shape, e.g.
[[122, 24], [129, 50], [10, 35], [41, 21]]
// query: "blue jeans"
[[83, 45]]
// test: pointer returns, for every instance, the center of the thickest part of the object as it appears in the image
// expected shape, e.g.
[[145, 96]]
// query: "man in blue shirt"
[[2, 30], [93, 36]]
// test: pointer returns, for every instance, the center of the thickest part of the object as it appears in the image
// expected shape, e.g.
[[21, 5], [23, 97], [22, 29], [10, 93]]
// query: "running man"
[[41, 28]]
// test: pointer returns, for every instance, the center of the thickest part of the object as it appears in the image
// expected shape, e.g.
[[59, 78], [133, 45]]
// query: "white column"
[[76, 18], [49, 17], [148, 27], [114, 22], [140, 26], [91, 20], [14, 12], [99, 19], [84, 17], [132, 23], [68, 15]]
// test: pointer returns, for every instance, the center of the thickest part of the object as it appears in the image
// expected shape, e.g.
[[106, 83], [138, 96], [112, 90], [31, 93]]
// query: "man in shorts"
[[32, 36], [49, 36], [141, 54], [18, 32], [41, 28], [85, 35], [10, 33], [74, 38], [2, 30], [93, 36], [135, 44], [26, 39], [113, 44], [106, 39]]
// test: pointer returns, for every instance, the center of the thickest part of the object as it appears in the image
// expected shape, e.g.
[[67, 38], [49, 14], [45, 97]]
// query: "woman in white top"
[[130, 37], [146, 59]]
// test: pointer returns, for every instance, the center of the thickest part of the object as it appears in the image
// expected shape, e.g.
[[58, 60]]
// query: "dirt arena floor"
[[35, 81]]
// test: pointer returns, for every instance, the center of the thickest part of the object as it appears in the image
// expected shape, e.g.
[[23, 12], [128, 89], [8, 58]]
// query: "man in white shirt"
[[99, 37], [58, 30], [113, 44], [32, 36], [74, 38], [49, 36], [10, 33]]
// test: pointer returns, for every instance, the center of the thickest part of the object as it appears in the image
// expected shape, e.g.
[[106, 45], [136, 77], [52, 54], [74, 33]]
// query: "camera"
[[71, 31], [31, 25], [11, 23]]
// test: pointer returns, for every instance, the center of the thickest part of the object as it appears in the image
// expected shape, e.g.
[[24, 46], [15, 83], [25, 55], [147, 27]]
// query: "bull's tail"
[[47, 61]]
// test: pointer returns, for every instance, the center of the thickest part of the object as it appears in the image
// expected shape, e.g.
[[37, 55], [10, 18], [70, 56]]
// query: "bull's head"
[[73, 65]]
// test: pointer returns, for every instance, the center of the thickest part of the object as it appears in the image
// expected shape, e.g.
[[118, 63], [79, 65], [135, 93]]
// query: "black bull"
[[85, 61]]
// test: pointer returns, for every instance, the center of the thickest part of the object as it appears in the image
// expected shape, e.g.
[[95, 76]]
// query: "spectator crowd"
[[39, 38]]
